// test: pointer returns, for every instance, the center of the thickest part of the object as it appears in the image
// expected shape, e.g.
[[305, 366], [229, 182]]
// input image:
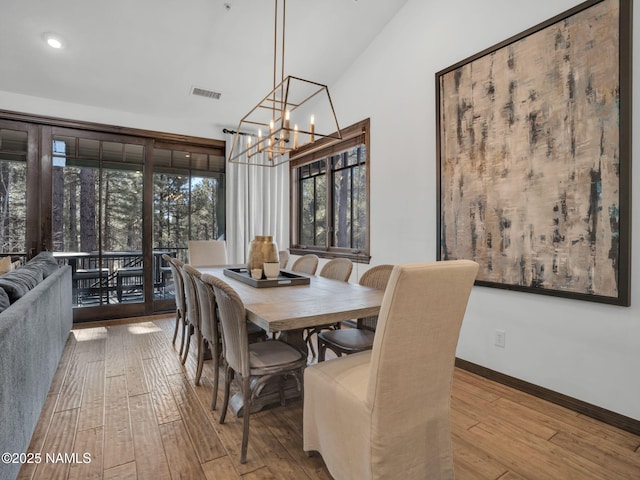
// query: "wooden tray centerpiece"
[[284, 278]]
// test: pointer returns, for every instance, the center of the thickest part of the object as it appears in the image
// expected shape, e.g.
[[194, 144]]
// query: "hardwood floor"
[[122, 398]]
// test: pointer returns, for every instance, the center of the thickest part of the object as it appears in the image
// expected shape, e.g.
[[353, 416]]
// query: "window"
[[330, 196]]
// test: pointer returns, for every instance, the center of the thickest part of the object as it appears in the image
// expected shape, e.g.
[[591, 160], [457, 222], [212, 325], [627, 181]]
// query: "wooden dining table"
[[289, 309]]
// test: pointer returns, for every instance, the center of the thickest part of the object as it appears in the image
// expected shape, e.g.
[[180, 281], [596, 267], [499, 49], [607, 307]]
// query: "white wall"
[[585, 350]]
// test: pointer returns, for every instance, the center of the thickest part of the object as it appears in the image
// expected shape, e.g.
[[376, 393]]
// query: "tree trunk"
[[58, 209], [88, 237], [72, 241], [5, 189]]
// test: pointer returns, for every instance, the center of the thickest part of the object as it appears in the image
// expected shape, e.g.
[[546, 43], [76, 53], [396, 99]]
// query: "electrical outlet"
[[500, 338]]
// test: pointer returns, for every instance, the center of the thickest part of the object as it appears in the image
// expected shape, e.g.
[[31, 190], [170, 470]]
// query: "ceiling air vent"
[[203, 92]]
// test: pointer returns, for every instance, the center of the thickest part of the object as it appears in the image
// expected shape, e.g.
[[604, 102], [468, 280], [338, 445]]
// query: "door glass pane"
[[171, 213], [204, 211], [75, 230], [13, 191], [97, 219], [121, 211], [184, 207]]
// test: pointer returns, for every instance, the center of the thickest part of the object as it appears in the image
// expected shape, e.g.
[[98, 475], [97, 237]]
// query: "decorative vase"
[[262, 249]]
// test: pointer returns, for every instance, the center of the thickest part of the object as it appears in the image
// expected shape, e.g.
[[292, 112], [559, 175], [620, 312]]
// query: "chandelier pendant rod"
[[275, 54], [272, 149]]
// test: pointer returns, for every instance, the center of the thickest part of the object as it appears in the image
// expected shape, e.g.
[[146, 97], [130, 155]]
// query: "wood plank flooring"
[[122, 396]]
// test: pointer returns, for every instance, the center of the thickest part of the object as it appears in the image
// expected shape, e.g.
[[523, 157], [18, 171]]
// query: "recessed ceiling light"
[[53, 40]]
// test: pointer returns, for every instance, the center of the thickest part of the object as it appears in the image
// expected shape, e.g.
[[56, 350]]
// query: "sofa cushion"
[[18, 282], [4, 300], [46, 261]]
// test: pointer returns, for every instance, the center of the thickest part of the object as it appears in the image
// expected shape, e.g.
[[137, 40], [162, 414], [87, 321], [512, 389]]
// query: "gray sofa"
[[33, 332]]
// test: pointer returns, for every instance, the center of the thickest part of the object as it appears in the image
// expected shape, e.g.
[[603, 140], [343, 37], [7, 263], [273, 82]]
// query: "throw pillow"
[[13, 287], [18, 282], [46, 262], [5, 265]]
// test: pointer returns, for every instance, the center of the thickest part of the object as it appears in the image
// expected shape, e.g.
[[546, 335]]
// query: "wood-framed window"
[[330, 196]]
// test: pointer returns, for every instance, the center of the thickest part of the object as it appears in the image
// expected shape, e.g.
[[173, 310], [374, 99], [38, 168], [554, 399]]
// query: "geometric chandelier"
[[295, 113]]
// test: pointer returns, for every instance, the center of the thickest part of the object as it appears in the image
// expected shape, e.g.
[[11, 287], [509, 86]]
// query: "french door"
[[99, 221], [110, 202]]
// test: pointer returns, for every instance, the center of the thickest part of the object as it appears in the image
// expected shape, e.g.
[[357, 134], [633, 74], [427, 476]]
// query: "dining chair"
[[284, 258], [181, 305], [306, 264], [193, 319], [353, 340], [210, 330], [336, 269], [207, 253], [256, 363], [386, 410]]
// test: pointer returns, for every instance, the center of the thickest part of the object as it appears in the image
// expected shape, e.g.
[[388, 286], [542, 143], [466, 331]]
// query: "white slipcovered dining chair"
[[384, 413], [207, 253]]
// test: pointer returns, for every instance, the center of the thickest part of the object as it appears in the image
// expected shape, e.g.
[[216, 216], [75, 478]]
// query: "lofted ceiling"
[[144, 56]]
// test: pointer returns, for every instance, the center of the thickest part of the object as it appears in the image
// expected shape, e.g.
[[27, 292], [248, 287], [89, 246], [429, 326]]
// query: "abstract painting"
[[534, 157]]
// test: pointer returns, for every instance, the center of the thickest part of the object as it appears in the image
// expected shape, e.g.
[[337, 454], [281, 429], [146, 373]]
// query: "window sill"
[[356, 256]]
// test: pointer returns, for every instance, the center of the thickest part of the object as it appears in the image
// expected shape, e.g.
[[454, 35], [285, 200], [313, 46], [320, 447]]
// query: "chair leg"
[[309, 341], [322, 349], [246, 401], [184, 334], [201, 350], [227, 387], [175, 329], [187, 339], [216, 374]]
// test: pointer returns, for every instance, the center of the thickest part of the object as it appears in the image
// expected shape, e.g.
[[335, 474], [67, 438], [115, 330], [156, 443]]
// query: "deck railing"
[[117, 277]]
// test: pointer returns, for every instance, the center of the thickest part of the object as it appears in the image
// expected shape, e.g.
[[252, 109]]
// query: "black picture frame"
[[533, 140]]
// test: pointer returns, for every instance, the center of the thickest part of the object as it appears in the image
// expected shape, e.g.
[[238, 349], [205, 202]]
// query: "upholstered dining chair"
[[207, 253], [354, 340], [193, 319], [181, 304], [284, 258], [385, 412], [336, 269], [210, 330], [306, 264], [255, 363]]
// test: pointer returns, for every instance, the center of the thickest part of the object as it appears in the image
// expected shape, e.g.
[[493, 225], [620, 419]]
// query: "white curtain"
[[257, 204]]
